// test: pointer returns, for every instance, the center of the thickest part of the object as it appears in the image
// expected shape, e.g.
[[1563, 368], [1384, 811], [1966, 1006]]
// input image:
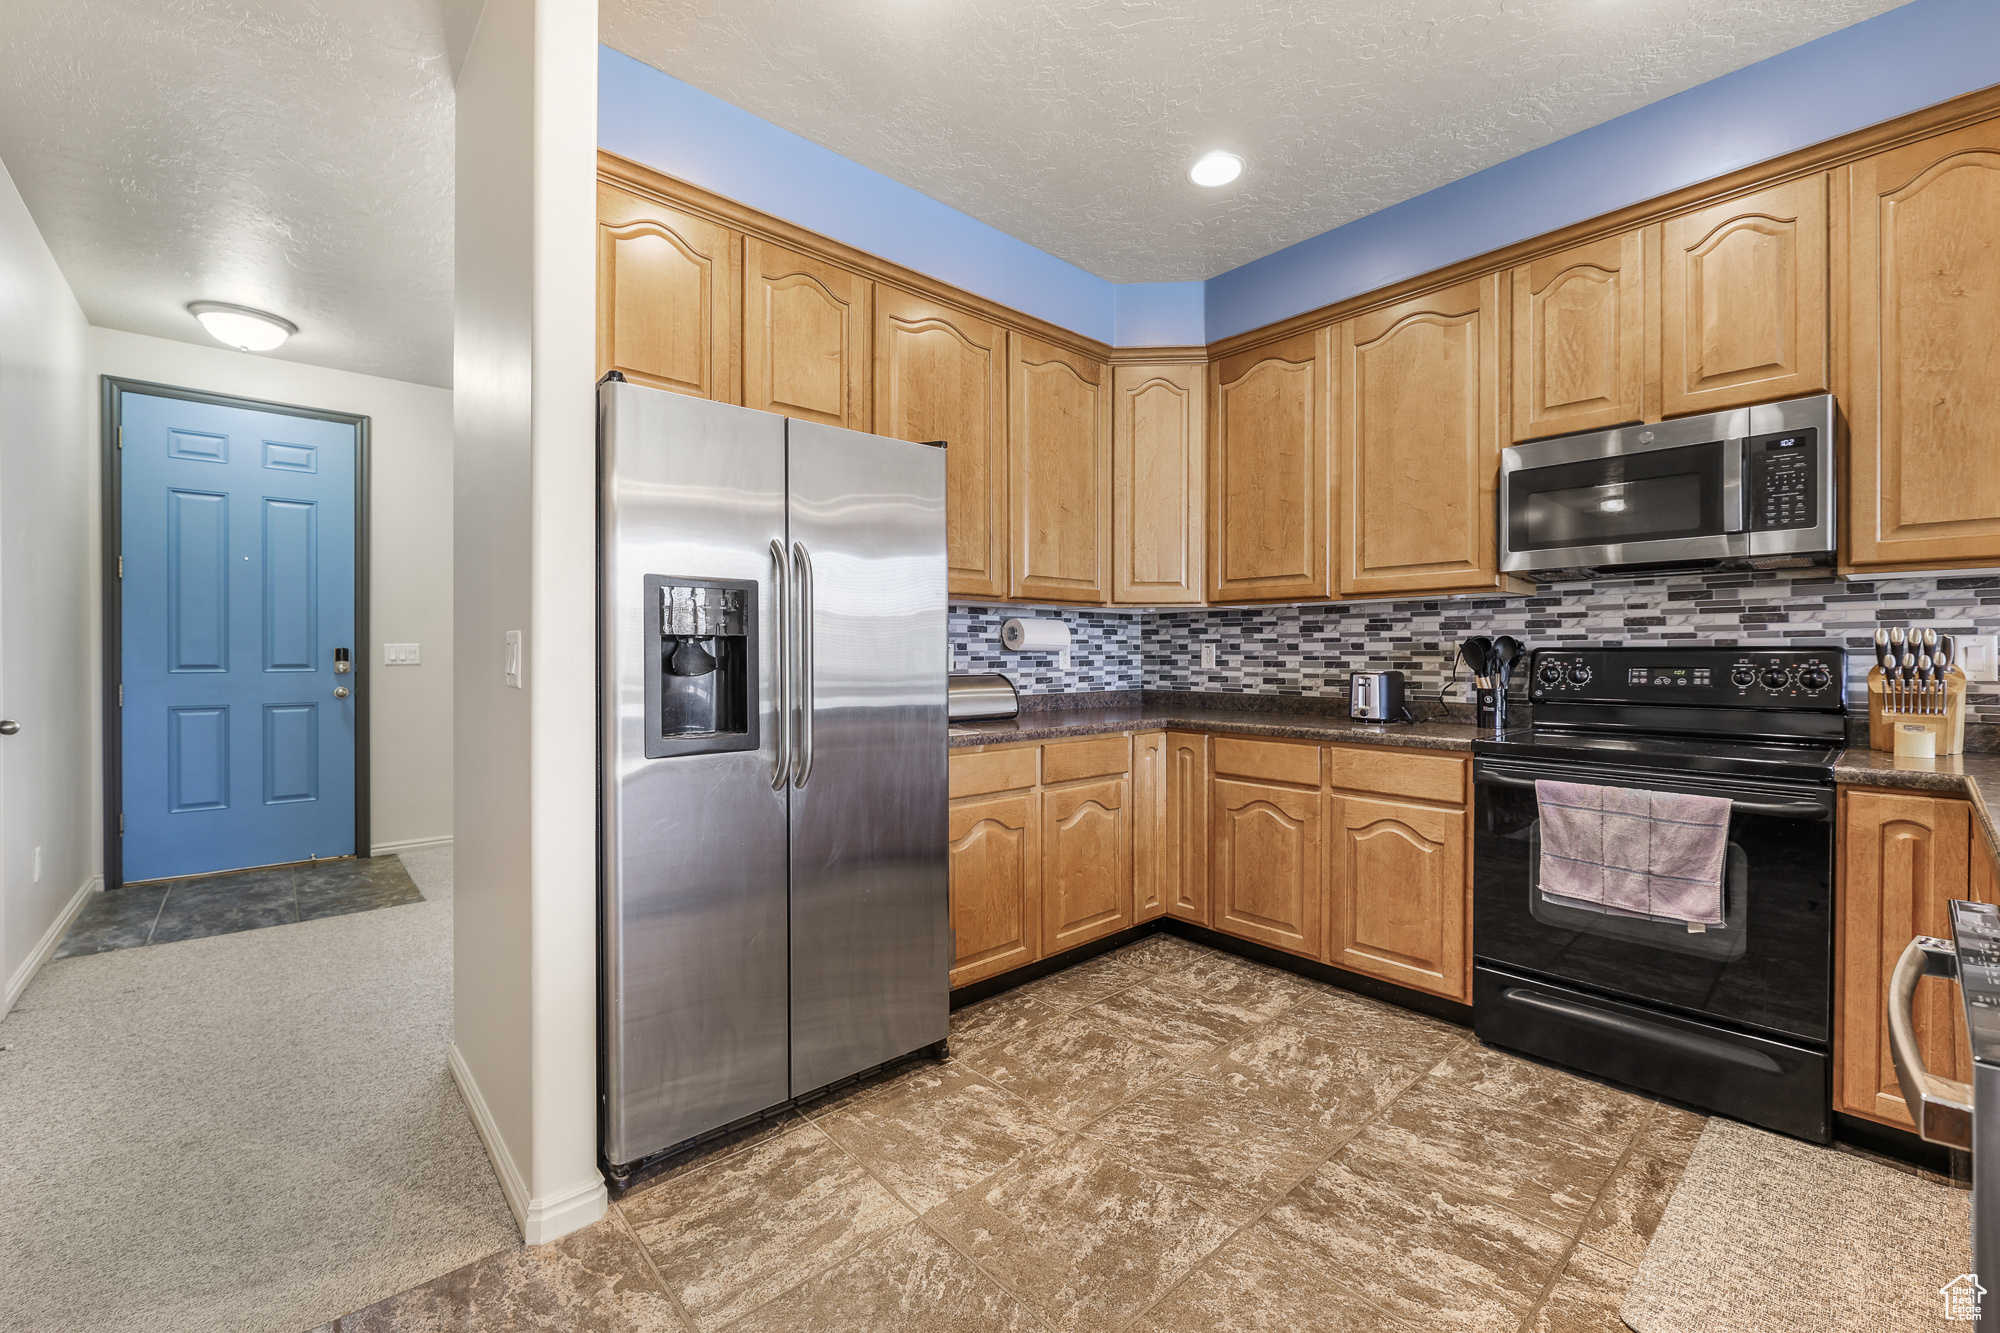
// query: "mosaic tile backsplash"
[[1308, 650]]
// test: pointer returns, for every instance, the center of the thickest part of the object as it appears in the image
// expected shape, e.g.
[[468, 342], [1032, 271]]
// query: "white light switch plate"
[[1979, 655], [400, 654]]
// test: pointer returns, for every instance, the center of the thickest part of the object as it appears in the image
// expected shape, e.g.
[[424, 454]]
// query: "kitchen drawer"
[[1100, 756], [1268, 761], [978, 773], [1383, 772]]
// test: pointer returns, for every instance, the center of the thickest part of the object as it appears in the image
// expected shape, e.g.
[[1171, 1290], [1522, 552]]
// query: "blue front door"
[[237, 538]]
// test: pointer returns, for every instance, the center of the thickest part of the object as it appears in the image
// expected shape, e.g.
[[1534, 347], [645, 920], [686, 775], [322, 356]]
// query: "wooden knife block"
[[1949, 724]]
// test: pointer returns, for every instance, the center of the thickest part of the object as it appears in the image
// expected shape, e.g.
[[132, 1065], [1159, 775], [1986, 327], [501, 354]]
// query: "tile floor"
[[1165, 1139], [185, 909]]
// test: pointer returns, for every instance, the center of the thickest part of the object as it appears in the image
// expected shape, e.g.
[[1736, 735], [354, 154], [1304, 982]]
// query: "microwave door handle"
[[1941, 1107], [1733, 452]]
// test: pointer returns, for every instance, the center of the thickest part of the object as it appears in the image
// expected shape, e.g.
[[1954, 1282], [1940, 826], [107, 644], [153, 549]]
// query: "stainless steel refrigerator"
[[772, 702]]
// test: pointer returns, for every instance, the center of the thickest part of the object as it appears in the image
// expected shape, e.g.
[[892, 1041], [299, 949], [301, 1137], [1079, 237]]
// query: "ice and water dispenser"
[[701, 677]]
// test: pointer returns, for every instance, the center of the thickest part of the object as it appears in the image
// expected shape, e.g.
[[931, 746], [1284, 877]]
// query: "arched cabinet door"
[[1157, 416], [1059, 451], [1397, 874], [1580, 338], [805, 337], [1743, 289], [996, 875], [1086, 862], [1267, 873], [668, 288], [1269, 487]]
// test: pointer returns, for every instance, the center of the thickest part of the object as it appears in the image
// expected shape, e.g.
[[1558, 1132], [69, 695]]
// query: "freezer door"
[[694, 863], [870, 917]]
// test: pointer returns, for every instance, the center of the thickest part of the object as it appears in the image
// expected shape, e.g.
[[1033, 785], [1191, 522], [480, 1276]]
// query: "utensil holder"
[[1489, 709], [1884, 716]]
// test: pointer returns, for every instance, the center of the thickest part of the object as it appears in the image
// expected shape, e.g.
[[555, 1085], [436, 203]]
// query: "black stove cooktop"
[[1778, 712]]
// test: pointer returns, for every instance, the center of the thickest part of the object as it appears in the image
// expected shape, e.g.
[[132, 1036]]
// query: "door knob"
[[8, 726], [340, 691]]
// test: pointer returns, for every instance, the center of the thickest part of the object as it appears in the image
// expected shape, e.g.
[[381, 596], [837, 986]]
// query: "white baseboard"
[[50, 940], [540, 1220], [408, 845]]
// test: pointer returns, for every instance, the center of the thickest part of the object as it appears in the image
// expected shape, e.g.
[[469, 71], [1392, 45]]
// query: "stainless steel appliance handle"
[[781, 662], [802, 693], [1733, 452], [1781, 809], [1941, 1107]]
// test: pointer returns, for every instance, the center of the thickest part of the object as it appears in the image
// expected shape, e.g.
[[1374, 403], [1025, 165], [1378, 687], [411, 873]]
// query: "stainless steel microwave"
[[1751, 488]]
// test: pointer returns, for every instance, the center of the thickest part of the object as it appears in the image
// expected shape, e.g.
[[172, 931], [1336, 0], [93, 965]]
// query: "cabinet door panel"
[[805, 337], [1743, 300], [1150, 849], [1087, 863], [941, 374], [996, 876], [1156, 427], [1186, 858], [1268, 475], [1922, 390], [1267, 876], [1398, 894], [1580, 338], [667, 290], [1060, 450], [1420, 443], [1902, 858]]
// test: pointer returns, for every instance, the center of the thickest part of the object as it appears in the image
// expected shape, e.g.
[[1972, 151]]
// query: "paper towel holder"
[[1037, 635]]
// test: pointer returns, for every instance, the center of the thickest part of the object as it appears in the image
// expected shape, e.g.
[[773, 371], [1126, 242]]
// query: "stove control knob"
[[1579, 674], [1775, 678], [1814, 679], [1743, 677], [1551, 674]]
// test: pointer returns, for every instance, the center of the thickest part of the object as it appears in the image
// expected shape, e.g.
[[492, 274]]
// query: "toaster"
[[1375, 696]]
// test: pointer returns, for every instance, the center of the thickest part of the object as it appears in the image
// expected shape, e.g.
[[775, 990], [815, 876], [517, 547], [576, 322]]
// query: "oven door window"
[[1724, 943], [1660, 495]]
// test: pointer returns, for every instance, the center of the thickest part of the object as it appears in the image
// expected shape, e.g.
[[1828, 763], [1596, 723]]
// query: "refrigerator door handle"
[[802, 690], [1941, 1107], [781, 662]]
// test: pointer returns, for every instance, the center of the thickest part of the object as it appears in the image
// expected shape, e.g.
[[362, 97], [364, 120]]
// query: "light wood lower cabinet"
[[996, 885], [1903, 855], [1267, 873], [1149, 813], [1184, 830], [1397, 893], [1086, 862]]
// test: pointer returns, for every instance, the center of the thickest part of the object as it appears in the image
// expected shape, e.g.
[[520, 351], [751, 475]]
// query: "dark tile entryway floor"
[[186, 909], [1166, 1139]]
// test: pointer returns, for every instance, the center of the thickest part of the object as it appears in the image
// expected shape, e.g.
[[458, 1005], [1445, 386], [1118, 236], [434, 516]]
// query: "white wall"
[[525, 1052], [409, 552], [48, 570]]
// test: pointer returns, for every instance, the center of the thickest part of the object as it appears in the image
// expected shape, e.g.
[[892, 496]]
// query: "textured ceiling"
[[1071, 123], [284, 154]]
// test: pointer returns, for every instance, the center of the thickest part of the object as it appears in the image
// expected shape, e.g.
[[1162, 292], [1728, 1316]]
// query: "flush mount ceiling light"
[[241, 327], [1217, 168]]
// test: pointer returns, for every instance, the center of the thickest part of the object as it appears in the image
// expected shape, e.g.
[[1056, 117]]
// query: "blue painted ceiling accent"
[[1909, 58]]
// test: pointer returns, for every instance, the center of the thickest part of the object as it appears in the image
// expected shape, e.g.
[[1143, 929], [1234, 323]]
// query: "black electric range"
[[1736, 1018]]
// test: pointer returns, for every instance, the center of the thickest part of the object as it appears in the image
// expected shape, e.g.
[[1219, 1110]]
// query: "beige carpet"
[[249, 1133], [1770, 1235]]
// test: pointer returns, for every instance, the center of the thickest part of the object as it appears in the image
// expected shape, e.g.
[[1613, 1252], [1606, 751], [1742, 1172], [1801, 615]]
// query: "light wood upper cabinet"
[[1157, 413], [1580, 338], [1150, 848], [1185, 863], [1086, 862], [1743, 290], [1060, 479], [1269, 481], [1903, 856], [996, 878], [668, 287], [941, 374], [1921, 388], [805, 337], [1419, 442], [1397, 893]]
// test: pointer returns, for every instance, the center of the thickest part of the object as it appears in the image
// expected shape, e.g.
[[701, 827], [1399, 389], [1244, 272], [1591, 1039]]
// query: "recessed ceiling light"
[[241, 327], [1217, 168]]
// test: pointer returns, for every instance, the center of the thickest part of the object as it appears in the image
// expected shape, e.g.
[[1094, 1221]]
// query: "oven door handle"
[[1940, 1107], [1780, 809]]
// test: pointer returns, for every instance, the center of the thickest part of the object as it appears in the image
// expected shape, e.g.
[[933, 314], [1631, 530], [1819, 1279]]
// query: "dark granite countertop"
[[1289, 718], [1974, 776]]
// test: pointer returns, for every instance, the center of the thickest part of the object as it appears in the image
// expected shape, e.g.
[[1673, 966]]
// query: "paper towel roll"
[[1034, 636]]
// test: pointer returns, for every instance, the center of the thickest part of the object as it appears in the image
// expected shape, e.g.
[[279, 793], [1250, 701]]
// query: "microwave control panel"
[[1781, 481]]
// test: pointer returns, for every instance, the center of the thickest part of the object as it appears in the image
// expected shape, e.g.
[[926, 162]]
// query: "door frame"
[[112, 386]]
